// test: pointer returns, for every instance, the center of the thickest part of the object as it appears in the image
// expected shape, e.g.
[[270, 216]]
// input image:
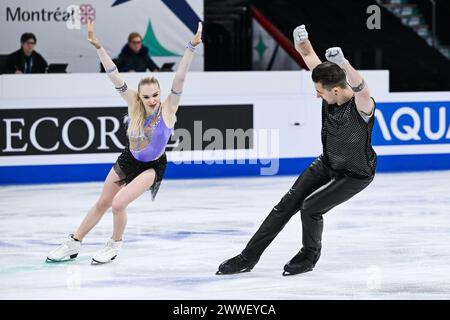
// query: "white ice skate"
[[107, 253], [68, 250]]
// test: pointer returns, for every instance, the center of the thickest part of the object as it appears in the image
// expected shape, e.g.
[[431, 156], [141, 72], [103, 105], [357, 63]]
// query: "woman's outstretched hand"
[[91, 38], [198, 36]]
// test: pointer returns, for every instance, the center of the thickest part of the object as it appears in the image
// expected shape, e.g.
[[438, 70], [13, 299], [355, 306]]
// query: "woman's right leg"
[[103, 203]]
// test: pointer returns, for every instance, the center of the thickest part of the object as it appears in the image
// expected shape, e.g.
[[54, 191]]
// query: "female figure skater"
[[141, 165]]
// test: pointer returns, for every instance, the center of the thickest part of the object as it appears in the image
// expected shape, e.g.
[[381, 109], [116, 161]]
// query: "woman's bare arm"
[[173, 100], [110, 68]]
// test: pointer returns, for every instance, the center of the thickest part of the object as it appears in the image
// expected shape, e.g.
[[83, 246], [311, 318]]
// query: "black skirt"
[[128, 168]]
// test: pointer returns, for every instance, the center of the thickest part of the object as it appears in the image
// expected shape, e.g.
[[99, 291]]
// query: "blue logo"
[[412, 123]]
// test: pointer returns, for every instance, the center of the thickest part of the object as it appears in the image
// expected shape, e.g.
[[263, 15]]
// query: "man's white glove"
[[300, 34], [335, 55]]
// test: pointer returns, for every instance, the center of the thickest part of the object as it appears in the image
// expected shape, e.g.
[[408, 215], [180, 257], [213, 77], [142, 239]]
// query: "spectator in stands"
[[135, 57], [26, 59]]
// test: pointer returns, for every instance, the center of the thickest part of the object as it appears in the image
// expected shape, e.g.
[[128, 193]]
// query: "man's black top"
[[346, 139]]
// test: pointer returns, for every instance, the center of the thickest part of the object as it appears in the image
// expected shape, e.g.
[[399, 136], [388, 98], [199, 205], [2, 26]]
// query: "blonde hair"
[[137, 112]]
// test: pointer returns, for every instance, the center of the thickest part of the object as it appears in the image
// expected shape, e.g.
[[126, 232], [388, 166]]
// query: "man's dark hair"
[[330, 75], [27, 36]]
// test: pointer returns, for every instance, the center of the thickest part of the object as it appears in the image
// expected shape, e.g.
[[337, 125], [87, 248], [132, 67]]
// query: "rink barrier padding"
[[291, 166], [59, 131]]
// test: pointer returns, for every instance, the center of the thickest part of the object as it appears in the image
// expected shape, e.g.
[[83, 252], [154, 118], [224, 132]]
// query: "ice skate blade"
[[48, 260], [95, 262], [219, 273], [289, 273]]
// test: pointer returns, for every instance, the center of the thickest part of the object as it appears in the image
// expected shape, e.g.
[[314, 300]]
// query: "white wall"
[[280, 99]]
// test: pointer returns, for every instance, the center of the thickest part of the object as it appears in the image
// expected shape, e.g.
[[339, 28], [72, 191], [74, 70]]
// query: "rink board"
[[59, 131]]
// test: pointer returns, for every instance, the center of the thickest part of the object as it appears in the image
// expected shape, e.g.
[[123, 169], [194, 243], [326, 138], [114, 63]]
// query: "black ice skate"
[[301, 263], [236, 264]]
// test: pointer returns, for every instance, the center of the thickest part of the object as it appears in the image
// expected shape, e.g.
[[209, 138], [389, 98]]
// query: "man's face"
[[330, 96], [28, 47], [135, 44]]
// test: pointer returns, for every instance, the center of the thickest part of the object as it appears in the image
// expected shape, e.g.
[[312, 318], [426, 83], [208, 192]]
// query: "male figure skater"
[[346, 166]]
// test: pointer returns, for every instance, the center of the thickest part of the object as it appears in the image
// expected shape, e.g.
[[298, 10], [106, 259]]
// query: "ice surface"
[[392, 241]]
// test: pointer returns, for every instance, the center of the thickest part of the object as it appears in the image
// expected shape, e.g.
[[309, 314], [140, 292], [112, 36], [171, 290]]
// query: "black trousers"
[[317, 190]]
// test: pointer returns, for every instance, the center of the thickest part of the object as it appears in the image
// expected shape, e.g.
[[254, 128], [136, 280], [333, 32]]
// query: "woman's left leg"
[[125, 196]]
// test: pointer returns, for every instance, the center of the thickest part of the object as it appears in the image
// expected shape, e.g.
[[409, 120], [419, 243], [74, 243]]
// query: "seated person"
[[135, 57], [26, 59]]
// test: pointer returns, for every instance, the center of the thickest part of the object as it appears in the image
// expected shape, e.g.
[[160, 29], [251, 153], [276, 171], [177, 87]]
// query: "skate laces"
[[110, 245], [241, 260], [67, 244]]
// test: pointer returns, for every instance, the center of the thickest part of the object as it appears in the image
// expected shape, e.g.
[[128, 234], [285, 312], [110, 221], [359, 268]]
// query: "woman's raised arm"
[[173, 100], [110, 68]]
